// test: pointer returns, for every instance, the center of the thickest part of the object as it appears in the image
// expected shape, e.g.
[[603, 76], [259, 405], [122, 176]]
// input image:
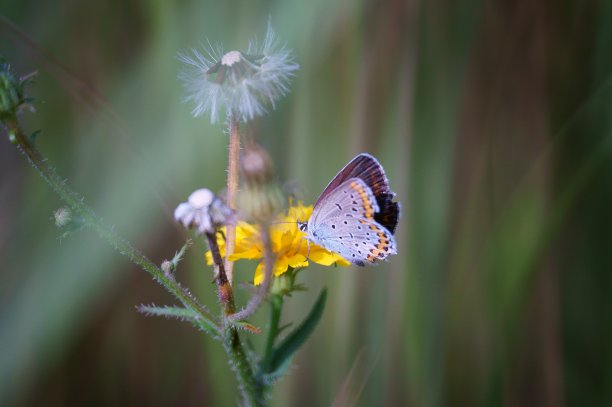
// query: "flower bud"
[[204, 211], [167, 267], [261, 198], [12, 96], [256, 166]]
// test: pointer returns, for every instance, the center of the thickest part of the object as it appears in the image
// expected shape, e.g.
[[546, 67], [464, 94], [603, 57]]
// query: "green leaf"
[[168, 312], [248, 327], [281, 356], [180, 313]]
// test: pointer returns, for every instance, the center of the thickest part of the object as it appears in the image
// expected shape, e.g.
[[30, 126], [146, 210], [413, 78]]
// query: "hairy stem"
[[224, 288], [75, 202], [232, 191], [256, 300], [252, 391]]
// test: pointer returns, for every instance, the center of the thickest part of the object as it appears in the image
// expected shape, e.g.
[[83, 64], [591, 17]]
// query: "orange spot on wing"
[[365, 199]]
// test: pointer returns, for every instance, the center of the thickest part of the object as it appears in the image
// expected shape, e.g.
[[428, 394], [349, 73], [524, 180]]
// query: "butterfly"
[[355, 215]]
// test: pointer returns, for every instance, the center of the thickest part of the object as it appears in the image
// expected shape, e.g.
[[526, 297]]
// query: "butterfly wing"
[[358, 240], [369, 170], [352, 198], [344, 223]]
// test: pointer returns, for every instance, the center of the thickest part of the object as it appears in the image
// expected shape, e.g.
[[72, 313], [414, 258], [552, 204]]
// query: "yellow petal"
[[280, 266], [248, 253], [208, 257], [259, 274], [299, 213], [342, 262], [326, 258], [297, 261]]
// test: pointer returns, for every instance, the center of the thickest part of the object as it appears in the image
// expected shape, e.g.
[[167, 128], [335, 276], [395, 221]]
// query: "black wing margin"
[[369, 170]]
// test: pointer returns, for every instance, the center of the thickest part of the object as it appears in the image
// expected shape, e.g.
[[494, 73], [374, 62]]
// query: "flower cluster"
[[289, 244], [203, 211]]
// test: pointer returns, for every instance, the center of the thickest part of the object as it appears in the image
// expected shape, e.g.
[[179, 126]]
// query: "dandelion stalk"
[[243, 85], [75, 202], [233, 167]]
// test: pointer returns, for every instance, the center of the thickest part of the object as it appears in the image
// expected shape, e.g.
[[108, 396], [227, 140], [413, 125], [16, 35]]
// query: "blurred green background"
[[492, 120]]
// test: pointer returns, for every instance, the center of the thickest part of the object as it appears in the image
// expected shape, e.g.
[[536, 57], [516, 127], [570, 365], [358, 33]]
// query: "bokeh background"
[[492, 119]]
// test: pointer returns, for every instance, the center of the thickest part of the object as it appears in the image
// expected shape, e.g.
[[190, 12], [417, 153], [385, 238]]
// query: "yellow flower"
[[289, 244]]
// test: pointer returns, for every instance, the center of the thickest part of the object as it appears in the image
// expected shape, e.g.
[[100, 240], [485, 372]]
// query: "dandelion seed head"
[[230, 58], [240, 84]]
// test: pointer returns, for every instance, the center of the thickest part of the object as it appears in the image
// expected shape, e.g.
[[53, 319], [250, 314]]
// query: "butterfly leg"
[[308, 247]]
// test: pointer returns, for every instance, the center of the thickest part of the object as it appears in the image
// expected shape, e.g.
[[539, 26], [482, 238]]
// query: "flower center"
[[230, 58]]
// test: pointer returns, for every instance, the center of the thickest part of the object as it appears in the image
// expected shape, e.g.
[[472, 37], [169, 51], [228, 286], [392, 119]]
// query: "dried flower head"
[[62, 217], [167, 267], [68, 221], [239, 83], [204, 211]]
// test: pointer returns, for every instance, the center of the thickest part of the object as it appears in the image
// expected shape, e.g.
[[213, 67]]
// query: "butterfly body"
[[355, 215]]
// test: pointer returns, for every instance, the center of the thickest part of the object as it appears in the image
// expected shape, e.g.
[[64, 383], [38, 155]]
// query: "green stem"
[[252, 392], [224, 288], [76, 204], [276, 305]]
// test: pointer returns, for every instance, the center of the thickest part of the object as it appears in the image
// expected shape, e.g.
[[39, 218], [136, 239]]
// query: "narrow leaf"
[[168, 312], [282, 354], [247, 326]]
